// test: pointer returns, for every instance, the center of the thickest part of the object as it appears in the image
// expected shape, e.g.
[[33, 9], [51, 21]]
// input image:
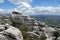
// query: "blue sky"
[[8, 5], [32, 6], [46, 2]]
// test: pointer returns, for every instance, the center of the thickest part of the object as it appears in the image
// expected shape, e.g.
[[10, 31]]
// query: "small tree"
[[56, 34], [14, 12]]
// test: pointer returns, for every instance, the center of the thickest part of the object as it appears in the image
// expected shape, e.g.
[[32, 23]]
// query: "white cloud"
[[1, 1], [45, 10], [1, 10], [26, 8], [23, 8], [19, 1]]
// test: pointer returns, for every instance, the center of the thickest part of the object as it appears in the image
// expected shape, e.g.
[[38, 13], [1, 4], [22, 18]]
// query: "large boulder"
[[11, 33]]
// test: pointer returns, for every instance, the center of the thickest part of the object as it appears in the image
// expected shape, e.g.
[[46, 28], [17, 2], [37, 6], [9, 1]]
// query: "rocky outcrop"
[[10, 33], [36, 28], [27, 21], [34, 25]]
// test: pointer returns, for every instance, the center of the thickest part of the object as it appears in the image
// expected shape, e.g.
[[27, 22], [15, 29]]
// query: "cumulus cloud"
[[26, 8], [1, 1], [1, 10], [44, 10], [19, 1], [23, 8]]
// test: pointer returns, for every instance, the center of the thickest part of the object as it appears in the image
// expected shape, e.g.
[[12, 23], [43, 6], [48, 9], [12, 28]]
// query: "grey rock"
[[58, 38], [34, 35], [11, 33]]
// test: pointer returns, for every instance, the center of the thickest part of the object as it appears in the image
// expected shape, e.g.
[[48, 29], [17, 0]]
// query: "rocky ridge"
[[37, 28]]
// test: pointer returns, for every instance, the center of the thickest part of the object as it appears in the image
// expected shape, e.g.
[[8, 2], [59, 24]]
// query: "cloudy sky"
[[31, 7]]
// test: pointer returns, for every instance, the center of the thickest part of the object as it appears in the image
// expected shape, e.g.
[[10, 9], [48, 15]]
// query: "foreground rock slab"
[[10, 33]]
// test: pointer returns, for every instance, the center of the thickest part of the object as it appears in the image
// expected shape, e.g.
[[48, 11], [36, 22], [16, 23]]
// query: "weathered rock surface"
[[34, 25], [10, 33]]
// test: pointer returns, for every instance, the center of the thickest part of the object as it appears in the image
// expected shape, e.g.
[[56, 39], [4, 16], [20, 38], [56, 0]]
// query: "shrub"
[[42, 37]]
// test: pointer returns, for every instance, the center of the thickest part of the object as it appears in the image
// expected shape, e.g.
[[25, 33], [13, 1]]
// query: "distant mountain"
[[53, 20]]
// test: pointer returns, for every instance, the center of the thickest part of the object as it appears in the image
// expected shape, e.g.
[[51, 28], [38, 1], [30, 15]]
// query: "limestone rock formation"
[[27, 21], [37, 28], [10, 33]]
